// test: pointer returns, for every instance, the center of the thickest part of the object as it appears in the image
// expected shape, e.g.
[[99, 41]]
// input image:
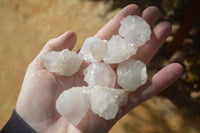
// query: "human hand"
[[40, 89]]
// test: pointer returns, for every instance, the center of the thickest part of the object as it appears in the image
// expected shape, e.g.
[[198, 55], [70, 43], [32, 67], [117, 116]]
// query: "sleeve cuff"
[[17, 125]]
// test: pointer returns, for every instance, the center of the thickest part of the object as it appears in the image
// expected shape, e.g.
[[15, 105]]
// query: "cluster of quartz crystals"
[[74, 103], [100, 95], [100, 74], [131, 74], [135, 30], [64, 63]]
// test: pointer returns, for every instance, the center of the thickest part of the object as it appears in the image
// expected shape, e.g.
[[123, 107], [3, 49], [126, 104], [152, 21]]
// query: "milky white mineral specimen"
[[73, 104], [119, 50], [135, 30], [100, 94], [106, 102], [64, 63], [100, 74], [131, 74], [93, 49]]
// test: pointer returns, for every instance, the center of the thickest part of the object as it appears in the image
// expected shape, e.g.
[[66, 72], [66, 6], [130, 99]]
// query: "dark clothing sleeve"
[[16, 125]]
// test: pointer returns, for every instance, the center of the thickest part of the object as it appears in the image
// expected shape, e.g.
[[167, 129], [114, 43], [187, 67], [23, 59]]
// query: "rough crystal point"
[[100, 74], [135, 30], [64, 63], [106, 102], [131, 74], [93, 49], [119, 50], [73, 104]]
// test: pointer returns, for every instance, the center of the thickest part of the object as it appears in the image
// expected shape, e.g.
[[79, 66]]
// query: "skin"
[[40, 88]]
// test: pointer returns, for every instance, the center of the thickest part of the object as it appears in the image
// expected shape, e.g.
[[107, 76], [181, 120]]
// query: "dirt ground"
[[25, 26]]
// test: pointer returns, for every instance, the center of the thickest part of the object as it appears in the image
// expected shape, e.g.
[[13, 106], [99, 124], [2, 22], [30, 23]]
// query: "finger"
[[113, 25], [151, 14], [161, 80], [65, 41], [159, 35]]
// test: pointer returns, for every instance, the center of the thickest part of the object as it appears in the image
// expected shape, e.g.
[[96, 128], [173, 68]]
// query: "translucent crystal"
[[73, 104], [106, 102], [131, 74], [64, 63], [100, 94], [100, 74], [135, 30], [119, 50], [93, 49]]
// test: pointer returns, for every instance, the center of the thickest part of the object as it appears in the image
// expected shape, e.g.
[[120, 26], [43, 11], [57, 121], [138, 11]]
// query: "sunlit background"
[[26, 25]]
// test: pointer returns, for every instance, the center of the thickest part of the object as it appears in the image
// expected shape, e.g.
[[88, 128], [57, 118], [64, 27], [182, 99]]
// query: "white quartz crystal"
[[100, 95], [106, 102], [93, 49], [64, 63], [119, 50], [73, 104], [131, 74], [100, 74], [135, 30]]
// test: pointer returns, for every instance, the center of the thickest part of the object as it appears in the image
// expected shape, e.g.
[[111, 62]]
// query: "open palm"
[[40, 89]]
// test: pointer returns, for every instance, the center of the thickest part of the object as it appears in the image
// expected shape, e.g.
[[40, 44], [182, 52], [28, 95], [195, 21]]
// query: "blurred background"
[[26, 25]]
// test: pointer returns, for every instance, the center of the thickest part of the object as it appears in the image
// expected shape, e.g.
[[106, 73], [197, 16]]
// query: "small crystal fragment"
[[73, 104], [100, 74], [93, 49], [119, 50], [131, 74], [135, 30], [106, 102], [64, 63]]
